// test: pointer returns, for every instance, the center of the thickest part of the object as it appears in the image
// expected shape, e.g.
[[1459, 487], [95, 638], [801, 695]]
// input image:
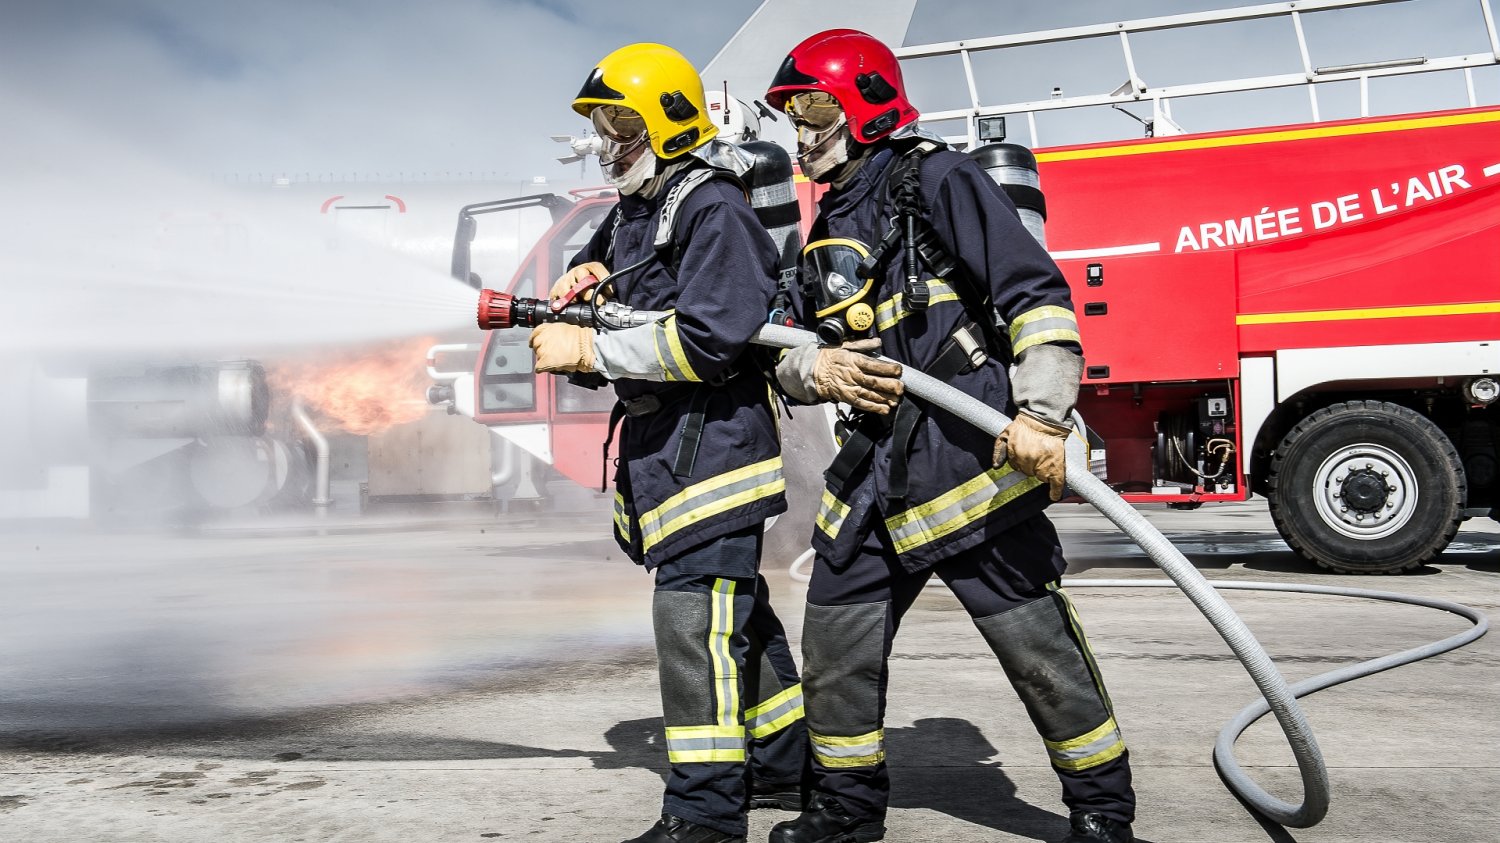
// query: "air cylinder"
[[774, 196], [1013, 167]]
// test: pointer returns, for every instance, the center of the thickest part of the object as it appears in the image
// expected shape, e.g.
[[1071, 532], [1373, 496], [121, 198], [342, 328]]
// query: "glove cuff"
[[1046, 425]]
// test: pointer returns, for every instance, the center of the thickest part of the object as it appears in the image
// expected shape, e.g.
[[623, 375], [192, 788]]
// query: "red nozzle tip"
[[494, 310]]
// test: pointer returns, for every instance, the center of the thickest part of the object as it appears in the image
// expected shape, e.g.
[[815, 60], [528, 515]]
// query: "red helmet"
[[858, 71]]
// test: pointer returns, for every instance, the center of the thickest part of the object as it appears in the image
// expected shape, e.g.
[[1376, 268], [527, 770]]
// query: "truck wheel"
[[1367, 487]]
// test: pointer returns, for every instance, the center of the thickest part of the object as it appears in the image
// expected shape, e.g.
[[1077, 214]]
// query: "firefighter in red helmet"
[[939, 260]]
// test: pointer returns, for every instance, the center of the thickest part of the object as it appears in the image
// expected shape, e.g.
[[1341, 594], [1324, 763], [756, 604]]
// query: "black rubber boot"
[[670, 829], [826, 821], [790, 796], [1097, 828]]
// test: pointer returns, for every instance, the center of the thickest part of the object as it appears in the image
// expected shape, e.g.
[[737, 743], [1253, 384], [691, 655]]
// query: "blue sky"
[[380, 86]]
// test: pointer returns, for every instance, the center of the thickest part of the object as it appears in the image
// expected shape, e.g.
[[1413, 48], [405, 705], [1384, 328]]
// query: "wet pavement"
[[477, 678]]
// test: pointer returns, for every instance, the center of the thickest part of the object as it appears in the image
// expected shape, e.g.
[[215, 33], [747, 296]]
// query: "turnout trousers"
[[731, 696], [1009, 587]]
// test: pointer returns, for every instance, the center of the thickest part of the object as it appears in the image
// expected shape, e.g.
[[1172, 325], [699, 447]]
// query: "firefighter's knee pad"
[[1045, 655], [695, 654], [843, 651]]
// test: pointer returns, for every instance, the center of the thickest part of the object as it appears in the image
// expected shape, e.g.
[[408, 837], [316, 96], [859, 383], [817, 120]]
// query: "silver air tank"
[[774, 196], [1013, 167]]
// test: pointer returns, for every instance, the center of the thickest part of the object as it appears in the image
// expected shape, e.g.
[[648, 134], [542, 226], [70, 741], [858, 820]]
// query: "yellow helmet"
[[658, 83]]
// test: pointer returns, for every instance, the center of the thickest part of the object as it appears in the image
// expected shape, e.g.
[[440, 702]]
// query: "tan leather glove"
[[576, 275], [562, 348], [845, 373], [1037, 448], [849, 374]]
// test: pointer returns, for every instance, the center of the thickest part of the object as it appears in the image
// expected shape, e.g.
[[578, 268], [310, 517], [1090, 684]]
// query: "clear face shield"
[[625, 159], [831, 276]]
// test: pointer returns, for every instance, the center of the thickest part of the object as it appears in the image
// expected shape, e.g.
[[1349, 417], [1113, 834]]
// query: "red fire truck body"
[[1283, 271], [1265, 311]]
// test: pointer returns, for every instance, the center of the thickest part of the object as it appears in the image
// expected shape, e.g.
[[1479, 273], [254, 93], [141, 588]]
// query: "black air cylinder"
[[1013, 167], [774, 197]]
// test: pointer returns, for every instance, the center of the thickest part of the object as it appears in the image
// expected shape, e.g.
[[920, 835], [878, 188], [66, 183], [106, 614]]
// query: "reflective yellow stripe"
[[705, 744], [958, 507], [776, 713], [1083, 641], [1058, 335], [891, 311], [1367, 313], [1272, 137], [1090, 750], [622, 520], [710, 497], [674, 342], [1115, 750], [726, 672], [1036, 314], [831, 514], [858, 751]]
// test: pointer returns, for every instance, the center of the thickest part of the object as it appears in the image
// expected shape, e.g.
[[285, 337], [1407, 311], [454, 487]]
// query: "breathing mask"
[[831, 278]]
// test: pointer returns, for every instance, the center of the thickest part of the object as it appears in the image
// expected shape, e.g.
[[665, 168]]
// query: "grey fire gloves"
[[1045, 388], [846, 373]]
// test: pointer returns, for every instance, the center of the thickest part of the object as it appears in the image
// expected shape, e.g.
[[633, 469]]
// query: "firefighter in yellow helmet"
[[700, 464]]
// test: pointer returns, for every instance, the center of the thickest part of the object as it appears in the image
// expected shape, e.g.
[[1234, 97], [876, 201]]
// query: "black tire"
[[1404, 483]]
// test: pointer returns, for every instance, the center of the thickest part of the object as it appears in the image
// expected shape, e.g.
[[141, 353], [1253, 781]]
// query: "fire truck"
[[1307, 312]]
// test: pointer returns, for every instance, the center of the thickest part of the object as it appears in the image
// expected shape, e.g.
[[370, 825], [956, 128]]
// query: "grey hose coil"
[[1235, 778], [1279, 697]]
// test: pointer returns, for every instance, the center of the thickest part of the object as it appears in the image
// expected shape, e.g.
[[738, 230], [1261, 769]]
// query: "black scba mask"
[[831, 277]]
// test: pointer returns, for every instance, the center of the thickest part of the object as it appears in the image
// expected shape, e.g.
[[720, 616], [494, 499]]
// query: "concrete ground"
[[481, 679]]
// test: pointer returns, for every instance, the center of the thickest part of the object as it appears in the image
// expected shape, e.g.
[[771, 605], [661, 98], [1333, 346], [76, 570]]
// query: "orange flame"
[[363, 392]]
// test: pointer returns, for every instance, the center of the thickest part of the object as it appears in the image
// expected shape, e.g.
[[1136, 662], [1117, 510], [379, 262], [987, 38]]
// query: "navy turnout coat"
[[955, 499], [719, 292]]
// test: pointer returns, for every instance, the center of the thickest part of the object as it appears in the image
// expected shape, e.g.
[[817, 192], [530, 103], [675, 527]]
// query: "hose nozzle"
[[499, 310]]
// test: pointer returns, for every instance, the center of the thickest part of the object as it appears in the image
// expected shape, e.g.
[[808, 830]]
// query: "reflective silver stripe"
[[1090, 750], [847, 751], [891, 311], [669, 351], [831, 514], [866, 750], [622, 519], [692, 744], [1049, 323], [768, 718], [963, 505], [705, 744], [717, 494]]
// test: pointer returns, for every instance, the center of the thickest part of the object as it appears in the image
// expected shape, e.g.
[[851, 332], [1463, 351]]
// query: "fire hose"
[[499, 310]]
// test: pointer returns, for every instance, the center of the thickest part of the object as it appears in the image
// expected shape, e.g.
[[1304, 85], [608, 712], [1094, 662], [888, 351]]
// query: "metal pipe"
[[321, 496], [507, 469]]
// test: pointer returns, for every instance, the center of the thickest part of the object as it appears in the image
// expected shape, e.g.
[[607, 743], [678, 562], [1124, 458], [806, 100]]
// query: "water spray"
[[501, 310]]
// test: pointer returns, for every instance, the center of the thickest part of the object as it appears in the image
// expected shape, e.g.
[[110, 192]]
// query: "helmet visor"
[[618, 123], [816, 111]]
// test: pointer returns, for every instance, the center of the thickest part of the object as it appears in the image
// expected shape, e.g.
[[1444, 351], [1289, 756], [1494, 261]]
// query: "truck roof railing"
[[1135, 89]]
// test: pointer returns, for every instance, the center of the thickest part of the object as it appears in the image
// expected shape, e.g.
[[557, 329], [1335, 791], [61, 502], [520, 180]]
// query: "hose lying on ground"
[[1279, 697]]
